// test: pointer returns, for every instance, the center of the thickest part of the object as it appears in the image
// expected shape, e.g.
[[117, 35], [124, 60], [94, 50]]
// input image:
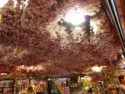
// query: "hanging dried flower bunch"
[[30, 36]]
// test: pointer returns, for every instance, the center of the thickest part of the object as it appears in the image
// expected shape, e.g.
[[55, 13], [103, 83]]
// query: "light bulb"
[[75, 17]]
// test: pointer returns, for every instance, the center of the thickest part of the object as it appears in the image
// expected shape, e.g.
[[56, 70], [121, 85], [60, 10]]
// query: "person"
[[122, 84]]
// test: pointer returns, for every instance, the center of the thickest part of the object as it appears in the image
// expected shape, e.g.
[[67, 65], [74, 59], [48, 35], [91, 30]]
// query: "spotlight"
[[75, 18]]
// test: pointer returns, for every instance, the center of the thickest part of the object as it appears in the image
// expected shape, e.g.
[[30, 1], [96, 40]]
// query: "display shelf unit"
[[7, 86]]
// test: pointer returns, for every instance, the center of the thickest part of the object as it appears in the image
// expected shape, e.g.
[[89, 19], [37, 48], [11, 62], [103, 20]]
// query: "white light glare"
[[3, 74], [122, 64], [49, 79], [3, 2], [97, 68], [75, 16]]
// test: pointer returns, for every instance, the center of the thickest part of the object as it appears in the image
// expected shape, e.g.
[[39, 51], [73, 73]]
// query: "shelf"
[[7, 86]]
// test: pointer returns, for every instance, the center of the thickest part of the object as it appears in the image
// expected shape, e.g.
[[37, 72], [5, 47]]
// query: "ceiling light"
[[75, 17], [3, 74], [49, 79]]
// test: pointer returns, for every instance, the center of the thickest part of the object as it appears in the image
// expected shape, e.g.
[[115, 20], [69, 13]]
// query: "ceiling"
[[31, 38]]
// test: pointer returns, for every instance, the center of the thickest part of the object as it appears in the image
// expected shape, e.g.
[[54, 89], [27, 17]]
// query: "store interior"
[[61, 46]]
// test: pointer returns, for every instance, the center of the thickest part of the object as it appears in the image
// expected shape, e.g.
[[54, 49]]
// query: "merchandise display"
[[7, 86]]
